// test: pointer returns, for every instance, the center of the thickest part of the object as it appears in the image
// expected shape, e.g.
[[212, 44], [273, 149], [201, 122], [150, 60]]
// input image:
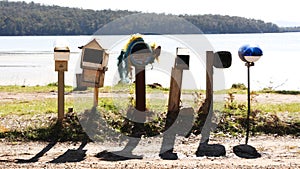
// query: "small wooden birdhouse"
[[94, 60]]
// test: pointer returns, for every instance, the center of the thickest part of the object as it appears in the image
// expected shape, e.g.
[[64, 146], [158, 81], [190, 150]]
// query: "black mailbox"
[[183, 58], [222, 59]]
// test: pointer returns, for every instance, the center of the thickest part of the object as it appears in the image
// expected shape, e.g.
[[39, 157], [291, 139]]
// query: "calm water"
[[28, 60]]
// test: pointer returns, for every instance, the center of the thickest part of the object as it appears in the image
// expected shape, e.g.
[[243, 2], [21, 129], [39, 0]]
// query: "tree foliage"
[[20, 18]]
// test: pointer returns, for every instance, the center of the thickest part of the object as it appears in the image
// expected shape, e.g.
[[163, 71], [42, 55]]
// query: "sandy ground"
[[277, 152]]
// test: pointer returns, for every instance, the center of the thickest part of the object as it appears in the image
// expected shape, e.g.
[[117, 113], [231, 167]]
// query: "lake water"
[[28, 60]]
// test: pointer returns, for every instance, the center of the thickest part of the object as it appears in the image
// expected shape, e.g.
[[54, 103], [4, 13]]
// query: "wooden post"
[[209, 79], [175, 90], [61, 99], [96, 95], [208, 105], [140, 90], [174, 97]]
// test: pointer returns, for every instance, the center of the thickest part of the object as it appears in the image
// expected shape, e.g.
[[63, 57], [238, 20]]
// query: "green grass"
[[31, 107], [32, 89], [124, 88], [282, 107]]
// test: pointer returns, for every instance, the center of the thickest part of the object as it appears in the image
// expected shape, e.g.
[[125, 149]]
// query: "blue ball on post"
[[250, 53]]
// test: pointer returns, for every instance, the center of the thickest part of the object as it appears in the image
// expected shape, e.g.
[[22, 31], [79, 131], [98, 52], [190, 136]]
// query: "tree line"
[[21, 18]]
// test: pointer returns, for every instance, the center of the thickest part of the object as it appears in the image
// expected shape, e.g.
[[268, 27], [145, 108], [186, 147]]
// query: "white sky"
[[283, 13]]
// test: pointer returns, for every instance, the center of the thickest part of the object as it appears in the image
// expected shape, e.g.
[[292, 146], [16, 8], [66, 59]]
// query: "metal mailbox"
[[250, 53], [222, 59], [183, 58], [141, 54]]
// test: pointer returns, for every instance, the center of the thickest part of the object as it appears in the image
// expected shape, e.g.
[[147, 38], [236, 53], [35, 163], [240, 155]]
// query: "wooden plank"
[[209, 80], [175, 89], [61, 65], [61, 96], [96, 95]]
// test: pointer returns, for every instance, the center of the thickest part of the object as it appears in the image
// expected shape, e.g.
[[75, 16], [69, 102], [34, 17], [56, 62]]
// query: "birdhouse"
[[183, 58], [94, 60]]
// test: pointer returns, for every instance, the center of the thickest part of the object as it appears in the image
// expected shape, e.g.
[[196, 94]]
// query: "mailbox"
[[250, 54], [141, 54], [61, 55], [222, 59], [94, 60], [182, 60]]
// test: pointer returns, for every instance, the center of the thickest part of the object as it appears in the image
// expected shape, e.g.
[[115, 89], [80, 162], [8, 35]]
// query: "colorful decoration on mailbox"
[[136, 53]]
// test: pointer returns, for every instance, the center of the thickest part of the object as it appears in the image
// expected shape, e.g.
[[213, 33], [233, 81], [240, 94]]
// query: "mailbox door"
[[61, 65], [182, 62], [93, 78]]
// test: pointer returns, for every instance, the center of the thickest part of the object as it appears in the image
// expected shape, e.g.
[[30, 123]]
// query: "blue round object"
[[248, 50]]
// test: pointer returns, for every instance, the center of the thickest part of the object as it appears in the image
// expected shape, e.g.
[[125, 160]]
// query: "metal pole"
[[249, 108], [61, 99]]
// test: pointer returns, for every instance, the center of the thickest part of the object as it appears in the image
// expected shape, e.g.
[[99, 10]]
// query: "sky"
[[280, 12]]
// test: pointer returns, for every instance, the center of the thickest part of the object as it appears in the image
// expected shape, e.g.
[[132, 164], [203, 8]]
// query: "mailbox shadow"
[[246, 151], [125, 154], [38, 155], [137, 117], [50, 145], [207, 124], [177, 123], [72, 155], [69, 156]]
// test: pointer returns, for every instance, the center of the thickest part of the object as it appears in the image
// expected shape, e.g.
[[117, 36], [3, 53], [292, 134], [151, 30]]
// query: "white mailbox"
[[61, 55]]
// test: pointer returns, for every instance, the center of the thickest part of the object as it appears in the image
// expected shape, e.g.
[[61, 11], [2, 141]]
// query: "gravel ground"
[[277, 152]]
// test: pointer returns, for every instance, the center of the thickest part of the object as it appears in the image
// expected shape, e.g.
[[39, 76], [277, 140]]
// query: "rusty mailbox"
[[94, 60]]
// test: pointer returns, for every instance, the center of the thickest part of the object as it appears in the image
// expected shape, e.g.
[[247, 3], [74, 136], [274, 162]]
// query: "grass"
[[31, 107], [33, 89], [267, 118]]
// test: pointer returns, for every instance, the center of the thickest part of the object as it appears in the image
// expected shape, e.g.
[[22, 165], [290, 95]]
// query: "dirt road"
[[277, 152]]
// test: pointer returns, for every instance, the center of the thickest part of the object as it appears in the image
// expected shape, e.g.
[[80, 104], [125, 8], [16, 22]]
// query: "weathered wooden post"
[[61, 57], [139, 55], [209, 80], [181, 63], [221, 59], [140, 88], [94, 60]]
